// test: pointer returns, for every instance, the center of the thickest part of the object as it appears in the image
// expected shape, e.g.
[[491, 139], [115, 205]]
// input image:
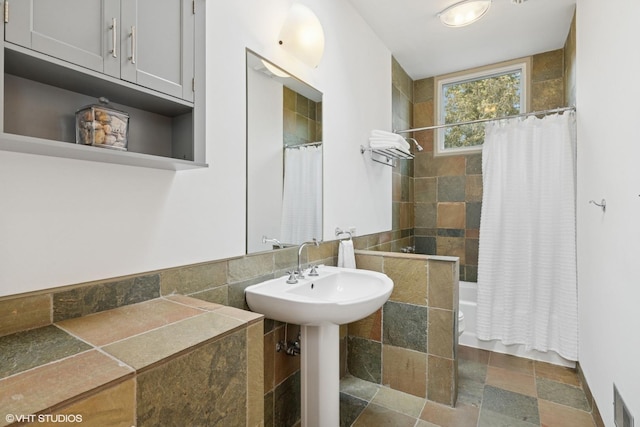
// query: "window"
[[490, 93]]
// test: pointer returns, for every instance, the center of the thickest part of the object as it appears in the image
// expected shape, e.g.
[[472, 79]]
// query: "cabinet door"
[[77, 31], [158, 45]]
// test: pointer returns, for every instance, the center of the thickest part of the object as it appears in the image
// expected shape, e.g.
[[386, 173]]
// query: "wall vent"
[[622, 416]]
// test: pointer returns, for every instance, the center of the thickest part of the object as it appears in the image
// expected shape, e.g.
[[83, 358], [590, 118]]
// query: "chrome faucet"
[[300, 272], [275, 242]]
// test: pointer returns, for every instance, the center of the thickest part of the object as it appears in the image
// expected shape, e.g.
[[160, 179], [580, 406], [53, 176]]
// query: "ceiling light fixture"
[[464, 13]]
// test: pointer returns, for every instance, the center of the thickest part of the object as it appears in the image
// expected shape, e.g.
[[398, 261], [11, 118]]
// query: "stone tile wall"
[[410, 343], [389, 241], [570, 65], [207, 385], [302, 119], [402, 114], [447, 190]]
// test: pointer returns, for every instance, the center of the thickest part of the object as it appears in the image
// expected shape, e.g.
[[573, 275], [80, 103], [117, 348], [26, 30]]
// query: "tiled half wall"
[[410, 343]]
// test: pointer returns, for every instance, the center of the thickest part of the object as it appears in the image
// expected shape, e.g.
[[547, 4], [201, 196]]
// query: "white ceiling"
[[424, 47]]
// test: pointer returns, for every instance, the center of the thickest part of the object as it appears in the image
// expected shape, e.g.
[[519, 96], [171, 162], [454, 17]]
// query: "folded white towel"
[[385, 144], [383, 134], [384, 139], [346, 254], [387, 135], [399, 142]]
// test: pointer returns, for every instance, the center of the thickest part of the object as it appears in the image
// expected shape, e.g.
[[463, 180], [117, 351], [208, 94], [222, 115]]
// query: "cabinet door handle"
[[133, 44], [114, 37]]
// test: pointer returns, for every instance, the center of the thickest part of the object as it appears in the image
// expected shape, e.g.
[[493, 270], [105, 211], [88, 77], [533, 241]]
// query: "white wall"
[[68, 221], [608, 67]]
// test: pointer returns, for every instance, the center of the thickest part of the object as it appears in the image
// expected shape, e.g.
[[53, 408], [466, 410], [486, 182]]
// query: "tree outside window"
[[491, 94]]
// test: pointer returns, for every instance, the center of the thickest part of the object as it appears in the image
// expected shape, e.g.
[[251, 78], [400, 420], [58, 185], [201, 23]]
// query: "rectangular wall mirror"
[[284, 158]]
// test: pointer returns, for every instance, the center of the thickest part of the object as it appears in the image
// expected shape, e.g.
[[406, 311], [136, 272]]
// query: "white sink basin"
[[319, 304], [337, 295]]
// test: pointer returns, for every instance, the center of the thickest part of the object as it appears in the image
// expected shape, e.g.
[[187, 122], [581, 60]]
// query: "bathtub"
[[468, 306]]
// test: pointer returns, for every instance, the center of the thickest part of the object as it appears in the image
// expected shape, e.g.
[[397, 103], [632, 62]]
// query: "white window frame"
[[523, 65]]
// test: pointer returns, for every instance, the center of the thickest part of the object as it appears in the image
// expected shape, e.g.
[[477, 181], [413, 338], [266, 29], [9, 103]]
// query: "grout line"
[[95, 347], [535, 384], [484, 383], [424, 405]]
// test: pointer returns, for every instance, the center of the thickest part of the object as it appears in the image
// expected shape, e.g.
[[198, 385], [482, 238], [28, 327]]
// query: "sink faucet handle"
[[314, 271], [292, 277]]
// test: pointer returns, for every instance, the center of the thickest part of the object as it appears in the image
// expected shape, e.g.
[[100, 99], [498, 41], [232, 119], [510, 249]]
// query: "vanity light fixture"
[[464, 12], [302, 35], [275, 71]]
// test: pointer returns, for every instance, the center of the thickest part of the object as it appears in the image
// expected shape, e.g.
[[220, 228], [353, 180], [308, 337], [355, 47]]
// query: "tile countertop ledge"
[[46, 368], [407, 255]]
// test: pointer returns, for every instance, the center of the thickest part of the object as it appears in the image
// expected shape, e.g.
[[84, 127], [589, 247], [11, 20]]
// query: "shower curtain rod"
[[308, 144], [470, 122]]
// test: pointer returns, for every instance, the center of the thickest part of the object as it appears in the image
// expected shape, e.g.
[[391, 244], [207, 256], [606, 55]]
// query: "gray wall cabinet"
[[157, 45], [71, 30], [143, 55]]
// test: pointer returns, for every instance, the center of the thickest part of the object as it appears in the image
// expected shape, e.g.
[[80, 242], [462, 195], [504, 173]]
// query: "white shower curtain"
[[527, 281], [302, 194]]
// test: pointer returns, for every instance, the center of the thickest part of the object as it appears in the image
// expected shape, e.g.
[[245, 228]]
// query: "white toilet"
[[460, 322]]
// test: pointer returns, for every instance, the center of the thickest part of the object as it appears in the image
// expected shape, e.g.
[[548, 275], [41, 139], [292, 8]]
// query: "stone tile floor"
[[494, 390]]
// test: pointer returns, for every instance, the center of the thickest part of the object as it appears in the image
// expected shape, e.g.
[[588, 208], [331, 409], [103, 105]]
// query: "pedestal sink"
[[320, 305]]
